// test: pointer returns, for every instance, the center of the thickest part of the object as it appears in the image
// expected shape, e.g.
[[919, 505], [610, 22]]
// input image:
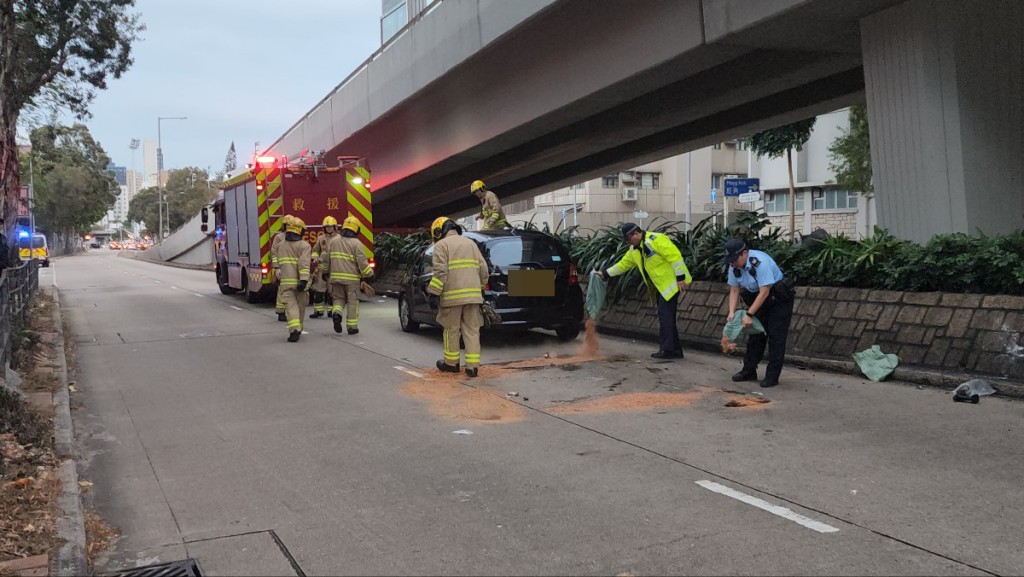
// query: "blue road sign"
[[738, 186], [714, 195]]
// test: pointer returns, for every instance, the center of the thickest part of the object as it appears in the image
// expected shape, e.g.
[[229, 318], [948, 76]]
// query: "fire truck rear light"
[[265, 159], [373, 264], [264, 270]]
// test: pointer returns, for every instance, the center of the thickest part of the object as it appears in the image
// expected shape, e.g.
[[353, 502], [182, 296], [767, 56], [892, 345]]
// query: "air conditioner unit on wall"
[[629, 194], [627, 176]]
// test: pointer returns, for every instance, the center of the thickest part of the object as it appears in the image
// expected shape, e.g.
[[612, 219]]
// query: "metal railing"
[[17, 287]]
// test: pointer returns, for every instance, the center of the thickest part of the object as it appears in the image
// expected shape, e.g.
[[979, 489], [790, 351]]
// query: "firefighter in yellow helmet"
[[346, 268], [275, 244], [293, 258], [459, 275], [318, 271], [490, 208]]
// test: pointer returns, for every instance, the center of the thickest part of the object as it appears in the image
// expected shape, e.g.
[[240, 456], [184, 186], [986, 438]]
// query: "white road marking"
[[157, 282], [174, 287], [236, 308], [774, 509], [412, 372], [198, 295]]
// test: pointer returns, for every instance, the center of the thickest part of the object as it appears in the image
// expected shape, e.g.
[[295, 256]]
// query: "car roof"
[[486, 235]]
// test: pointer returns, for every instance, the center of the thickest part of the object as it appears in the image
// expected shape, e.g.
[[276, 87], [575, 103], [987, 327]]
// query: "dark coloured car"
[[545, 290]]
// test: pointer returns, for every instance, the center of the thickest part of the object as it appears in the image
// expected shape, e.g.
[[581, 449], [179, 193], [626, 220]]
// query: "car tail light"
[[487, 286], [574, 277]]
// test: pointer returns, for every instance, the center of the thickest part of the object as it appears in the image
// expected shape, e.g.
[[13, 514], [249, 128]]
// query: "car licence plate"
[[531, 283]]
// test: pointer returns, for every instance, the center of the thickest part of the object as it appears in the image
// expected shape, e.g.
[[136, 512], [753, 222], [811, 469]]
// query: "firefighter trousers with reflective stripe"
[[346, 296], [294, 307], [461, 321], [279, 304]]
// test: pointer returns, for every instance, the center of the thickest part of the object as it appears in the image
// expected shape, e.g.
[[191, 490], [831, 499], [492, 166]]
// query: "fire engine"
[[250, 206]]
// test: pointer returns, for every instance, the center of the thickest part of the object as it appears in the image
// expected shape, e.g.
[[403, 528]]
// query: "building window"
[[577, 187], [609, 181], [833, 199], [717, 146], [742, 144], [648, 180], [778, 201], [392, 22]]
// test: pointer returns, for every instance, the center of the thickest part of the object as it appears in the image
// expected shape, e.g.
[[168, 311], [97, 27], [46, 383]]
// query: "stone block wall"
[[941, 331]]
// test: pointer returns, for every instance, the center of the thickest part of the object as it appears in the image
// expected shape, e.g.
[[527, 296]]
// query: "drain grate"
[[186, 568]]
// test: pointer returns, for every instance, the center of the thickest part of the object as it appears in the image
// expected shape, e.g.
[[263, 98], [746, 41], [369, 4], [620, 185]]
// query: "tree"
[[73, 188], [185, 193], [231, 161], [850, 153], [143, 208], [774, 143], [56, 51]]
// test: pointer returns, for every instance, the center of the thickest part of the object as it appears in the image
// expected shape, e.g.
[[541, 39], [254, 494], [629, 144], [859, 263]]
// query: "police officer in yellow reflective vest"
[[490, 207], [275, 244], [293, 258], [459, 275], [665, 274], [346, 268], [318, 268]]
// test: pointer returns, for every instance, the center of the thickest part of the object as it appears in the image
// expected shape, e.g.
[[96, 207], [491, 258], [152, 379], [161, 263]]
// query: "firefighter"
[[319, 285], [456, 292], [293, 258], [490, 208], [665, 274], [346, 268], [275, 244]]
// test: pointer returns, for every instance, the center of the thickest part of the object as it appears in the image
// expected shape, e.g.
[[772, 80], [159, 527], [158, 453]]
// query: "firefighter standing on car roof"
[[665, 274], [459, 275], [490, 208], [319, 284], [275, 244], [346, 268], [293, 258]]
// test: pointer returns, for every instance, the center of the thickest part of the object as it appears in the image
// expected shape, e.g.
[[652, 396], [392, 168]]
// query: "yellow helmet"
[[330, 221], [295, 225], [286, 219], [477, 185], [441, 226], [350, 223]]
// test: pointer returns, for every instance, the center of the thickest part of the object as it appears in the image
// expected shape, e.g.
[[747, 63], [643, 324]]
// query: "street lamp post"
[[160, 172]]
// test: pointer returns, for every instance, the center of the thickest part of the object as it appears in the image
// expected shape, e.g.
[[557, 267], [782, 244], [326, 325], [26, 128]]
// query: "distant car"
[[95, 244], [508, 252]]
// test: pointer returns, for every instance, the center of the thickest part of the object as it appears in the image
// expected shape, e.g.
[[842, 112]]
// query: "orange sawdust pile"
[[591, 344], [745, 402], [631, 402], [452, 400]]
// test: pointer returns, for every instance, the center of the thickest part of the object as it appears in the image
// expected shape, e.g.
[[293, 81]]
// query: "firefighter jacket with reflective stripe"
[[491, 212], [320, 254], [293, 260], [275, 245], [347, 263], [460, 271], [660, 262]]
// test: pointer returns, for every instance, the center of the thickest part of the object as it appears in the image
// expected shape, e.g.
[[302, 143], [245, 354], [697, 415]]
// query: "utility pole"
[[160, 172]]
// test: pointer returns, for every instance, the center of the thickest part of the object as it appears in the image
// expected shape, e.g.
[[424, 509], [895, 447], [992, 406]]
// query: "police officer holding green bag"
[[754, 277]]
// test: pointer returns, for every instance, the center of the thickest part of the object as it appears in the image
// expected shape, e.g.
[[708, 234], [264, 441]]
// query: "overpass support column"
[[943, 81]]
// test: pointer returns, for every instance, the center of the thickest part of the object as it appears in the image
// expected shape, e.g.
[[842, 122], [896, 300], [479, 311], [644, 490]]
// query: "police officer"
[[754, 277], [490, 207], [456, 292], [665, 274]]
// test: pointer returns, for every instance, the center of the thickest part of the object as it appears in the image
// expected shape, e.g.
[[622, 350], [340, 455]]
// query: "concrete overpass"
[[532, 95]]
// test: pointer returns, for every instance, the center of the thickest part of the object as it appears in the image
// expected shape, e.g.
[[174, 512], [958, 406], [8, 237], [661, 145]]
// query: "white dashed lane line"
[[765, 505], [411, 372], [236, 308]]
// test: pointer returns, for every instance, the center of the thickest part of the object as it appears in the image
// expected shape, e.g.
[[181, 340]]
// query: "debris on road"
[[972, 391], [875, 364], [631, 402], [746, 402]]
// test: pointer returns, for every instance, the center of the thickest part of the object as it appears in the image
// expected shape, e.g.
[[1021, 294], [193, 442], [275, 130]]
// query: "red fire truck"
[[249, 210]]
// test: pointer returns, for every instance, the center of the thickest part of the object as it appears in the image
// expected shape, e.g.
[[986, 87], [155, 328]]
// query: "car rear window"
[[504, 252]]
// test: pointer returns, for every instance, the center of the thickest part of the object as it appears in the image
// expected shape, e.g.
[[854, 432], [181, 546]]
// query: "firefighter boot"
[[316, 315], [472, 372], [446, 368], [282, 317], [294, 336], [353, 331], [337, 322]]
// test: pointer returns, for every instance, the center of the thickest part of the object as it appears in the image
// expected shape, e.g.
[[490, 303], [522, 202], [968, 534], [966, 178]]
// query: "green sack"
[[734, 328], [597, 290], [875, 364]]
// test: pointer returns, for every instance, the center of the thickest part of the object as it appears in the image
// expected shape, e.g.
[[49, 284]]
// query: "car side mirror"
[[205, 217]]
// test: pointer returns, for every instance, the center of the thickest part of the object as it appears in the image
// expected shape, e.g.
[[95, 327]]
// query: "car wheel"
[[568, 333], [405, 316]]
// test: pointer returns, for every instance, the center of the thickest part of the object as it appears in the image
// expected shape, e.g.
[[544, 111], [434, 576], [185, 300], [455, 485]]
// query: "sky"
[[242, 71]]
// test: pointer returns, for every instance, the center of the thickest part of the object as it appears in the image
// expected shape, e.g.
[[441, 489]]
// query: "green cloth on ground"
[[875, 364], [597, 290], [734, 328]]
